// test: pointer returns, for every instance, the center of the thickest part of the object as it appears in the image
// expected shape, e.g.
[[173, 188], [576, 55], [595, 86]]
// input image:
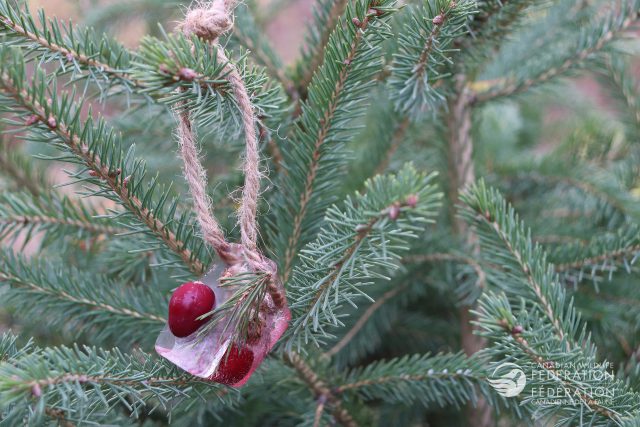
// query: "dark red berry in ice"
[[234, 366], [190, 301]]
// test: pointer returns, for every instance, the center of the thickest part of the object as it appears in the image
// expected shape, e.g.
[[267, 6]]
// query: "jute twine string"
[[209, 21]]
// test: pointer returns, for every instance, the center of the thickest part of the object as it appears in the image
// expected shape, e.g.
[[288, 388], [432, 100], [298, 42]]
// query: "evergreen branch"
[[247, 33], [619, 78], [609, 29], [20, 170], [358, 244], [40, 288], [362, 321], [396, 139], [607, 189], [9, 348], [435, 257], [326, 14], [320, 389], [531, 320], [421, 63], [59, 416], [600, 254], [74, 49], [592, 403], [335, 99], [383, 133], [98, 149], [186, 74], [56, 215], [496, 221], [81, 381], [444, 379], [159, 67], [493, 25]]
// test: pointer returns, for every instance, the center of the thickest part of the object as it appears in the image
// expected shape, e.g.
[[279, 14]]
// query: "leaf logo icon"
[[511, 382]]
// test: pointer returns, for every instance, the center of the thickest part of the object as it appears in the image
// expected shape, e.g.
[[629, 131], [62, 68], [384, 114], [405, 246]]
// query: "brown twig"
[[320, 389], [362, 321], [59, 415], [461, 175], [396, 140]]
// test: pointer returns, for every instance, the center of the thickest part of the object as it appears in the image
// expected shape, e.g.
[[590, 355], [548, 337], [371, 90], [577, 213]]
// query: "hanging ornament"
[[223, 326]]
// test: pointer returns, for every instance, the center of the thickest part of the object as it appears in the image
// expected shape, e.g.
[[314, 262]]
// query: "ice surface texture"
[[201, 355]]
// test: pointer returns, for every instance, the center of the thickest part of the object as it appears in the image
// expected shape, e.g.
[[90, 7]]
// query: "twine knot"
[[209, 21]]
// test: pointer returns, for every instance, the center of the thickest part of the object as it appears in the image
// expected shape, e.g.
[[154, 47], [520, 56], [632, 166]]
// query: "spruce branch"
[[424, 57], [601, 254], [326, 14], [71, 48], [396, 140], [20, 169], [618, 77], [81, 381], [359, 243], [156, 70], [317, 151], [606, 188], [495, 22], [249, 35], [443, 379], [531, 318], [362, 321], [592, 41], [98, 149], [320, 389], [55, 215], [186, 74], [40, 288], [384, 131]]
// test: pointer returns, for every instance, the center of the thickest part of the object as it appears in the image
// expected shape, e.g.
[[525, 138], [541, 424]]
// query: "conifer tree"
[[445, 255]]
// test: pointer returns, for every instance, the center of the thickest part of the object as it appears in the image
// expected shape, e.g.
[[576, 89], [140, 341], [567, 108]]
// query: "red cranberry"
[[190, 301], [234, 366]]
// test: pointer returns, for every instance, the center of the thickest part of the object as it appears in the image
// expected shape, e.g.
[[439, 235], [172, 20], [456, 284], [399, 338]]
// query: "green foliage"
[[158, 70], [423, 61], [556, 53], [359, 242], [78, 301], [528, 295], [114, 173], [80, 53], [316, 153], [444, 379], [378, 277], [77, 379], [57, 216]]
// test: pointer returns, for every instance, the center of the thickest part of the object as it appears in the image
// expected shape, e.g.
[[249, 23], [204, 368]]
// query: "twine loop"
[[209, 21]]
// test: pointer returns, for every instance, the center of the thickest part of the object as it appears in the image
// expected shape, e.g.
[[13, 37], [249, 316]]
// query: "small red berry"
[[234, 366], [190, 301]]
